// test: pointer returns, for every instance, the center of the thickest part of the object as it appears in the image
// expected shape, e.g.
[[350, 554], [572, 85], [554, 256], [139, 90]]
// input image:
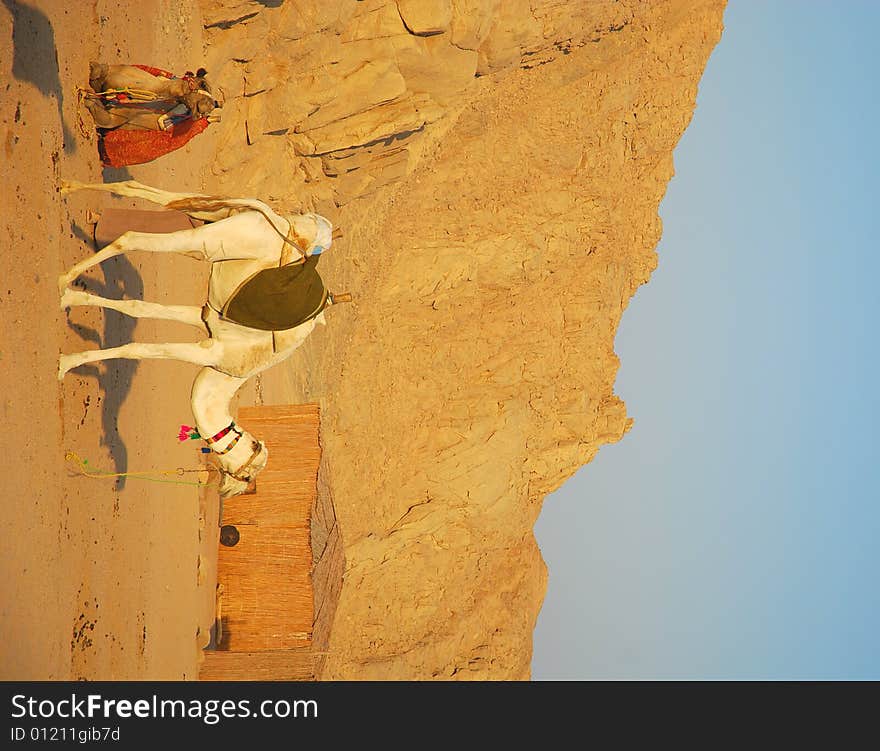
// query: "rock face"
[[495, 170]]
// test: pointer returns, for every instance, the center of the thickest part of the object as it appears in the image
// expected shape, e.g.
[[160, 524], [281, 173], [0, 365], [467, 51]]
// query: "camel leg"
[[102, 118], [206, 208], [206, 352], [240, 237], [131, 119], [129, 189], [136, 308], [123, 243], [126, 117]]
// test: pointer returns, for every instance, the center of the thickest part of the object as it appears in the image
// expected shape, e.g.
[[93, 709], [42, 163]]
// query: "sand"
[[100, 580]]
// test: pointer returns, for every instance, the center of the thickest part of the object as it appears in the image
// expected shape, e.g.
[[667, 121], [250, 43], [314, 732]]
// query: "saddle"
[[279, 298]]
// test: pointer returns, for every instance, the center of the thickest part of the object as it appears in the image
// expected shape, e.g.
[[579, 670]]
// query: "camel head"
[[323, 234], [236, 479], [198, 96], [312, 232]]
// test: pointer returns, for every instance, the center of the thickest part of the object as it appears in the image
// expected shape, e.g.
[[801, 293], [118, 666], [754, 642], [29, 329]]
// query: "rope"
[[81, 122], [83, 469], [137, 95], [143, 95]]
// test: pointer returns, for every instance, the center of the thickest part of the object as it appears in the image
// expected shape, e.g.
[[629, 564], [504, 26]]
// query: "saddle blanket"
[[278, 299], [121, 148], [274, 299]]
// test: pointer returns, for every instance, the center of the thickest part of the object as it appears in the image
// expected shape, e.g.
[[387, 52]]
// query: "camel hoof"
[[63, 282], [65, 363], [70, 297], [67, 186]]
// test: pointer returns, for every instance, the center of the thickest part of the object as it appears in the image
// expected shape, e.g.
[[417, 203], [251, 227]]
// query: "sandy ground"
[[464, 402], [99, 578]]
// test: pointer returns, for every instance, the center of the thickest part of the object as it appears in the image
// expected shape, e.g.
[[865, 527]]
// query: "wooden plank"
[[281, 467], [267, 605], [282, 456], [301, 429], [267, 589], [209, 535], [299, 433], [276, 510], [287, 488], [280, 412], [281, 665]]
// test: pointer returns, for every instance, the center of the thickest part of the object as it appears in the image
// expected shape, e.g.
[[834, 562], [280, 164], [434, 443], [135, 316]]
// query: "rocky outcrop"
[[495, 170], [336, 95]]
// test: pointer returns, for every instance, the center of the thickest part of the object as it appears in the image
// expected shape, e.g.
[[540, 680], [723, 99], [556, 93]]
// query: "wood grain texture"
[[267, 604], [280, 665], [267, 601]]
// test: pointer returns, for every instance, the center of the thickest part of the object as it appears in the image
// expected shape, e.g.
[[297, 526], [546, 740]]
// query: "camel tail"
[[192, 204], [203, 207]]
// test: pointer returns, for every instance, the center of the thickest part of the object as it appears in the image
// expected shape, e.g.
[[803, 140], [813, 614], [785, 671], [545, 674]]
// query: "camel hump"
[[278, 299]]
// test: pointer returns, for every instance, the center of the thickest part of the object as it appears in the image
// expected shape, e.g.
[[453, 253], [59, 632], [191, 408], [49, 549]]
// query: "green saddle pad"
[[278, 299]]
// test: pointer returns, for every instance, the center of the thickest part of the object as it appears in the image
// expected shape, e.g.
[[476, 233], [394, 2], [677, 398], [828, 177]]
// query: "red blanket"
[[119, 148], [158, 72]]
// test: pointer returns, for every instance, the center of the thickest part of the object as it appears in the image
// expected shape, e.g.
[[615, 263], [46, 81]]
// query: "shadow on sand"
[[115, 174], [35, 58], [114, 377]]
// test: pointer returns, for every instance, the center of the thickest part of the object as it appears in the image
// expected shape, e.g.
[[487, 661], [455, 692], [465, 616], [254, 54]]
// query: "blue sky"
[[733, 533]]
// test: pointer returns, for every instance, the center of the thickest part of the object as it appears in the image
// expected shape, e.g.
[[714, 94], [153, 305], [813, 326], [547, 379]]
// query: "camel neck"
[[212, 393]]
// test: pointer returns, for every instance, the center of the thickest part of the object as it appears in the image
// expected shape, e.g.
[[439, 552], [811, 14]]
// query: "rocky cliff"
[[495, 169]]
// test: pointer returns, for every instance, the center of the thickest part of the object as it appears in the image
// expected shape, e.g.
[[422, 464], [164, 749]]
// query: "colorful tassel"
[[188, 433]]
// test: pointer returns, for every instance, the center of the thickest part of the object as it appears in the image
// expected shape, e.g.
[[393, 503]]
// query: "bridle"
[[231, 428], [237, 474]]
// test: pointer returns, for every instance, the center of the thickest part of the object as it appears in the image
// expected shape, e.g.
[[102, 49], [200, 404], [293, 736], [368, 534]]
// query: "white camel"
[[240, 238]]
